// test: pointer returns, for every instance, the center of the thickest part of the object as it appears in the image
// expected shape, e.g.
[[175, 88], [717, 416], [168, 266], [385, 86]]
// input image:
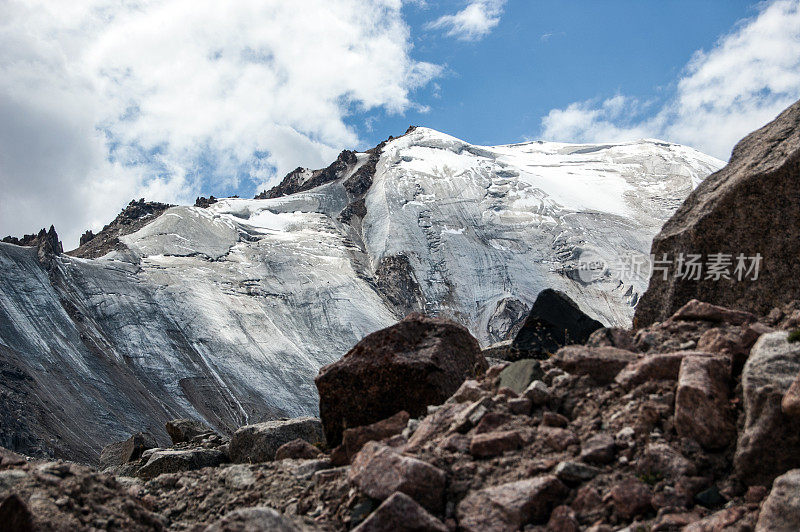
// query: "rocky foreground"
[[689, 424]]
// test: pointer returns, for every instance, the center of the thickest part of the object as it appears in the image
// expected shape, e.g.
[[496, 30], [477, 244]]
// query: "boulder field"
[[687, 424]]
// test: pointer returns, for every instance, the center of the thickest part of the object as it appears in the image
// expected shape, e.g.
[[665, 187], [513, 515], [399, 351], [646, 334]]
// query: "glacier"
[[226, 313]]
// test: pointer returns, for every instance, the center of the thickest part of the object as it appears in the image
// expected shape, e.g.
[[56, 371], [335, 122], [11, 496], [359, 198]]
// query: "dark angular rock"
[[174, 461], [554, 321], [15, 515], [420, 361], [122, 452], [731, 212], [602, 364], [400, 513], [494, 443], [354, 439]]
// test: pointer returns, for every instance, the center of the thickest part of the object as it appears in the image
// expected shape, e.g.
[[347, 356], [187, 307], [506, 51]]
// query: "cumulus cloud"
[[472, 23], [102, 101], [744, 81]]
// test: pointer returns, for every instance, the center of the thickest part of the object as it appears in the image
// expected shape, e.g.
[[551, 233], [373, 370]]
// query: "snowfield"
[[227, 313]]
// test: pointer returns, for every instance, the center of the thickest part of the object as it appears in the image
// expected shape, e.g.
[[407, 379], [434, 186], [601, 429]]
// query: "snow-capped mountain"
[[226, 313]]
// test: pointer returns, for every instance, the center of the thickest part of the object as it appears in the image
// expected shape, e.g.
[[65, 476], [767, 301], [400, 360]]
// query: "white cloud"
[[102, 101], [472, 23], [749, 76]]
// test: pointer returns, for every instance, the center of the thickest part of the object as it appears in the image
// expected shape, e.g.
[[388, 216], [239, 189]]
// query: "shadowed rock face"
[[418, 362], [554, 321], [752, 206]]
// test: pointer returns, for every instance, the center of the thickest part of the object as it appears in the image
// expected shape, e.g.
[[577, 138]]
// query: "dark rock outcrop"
[[417, 362], [554, 321], [136, 215], [751, 207], [204, 202], [298, 179]]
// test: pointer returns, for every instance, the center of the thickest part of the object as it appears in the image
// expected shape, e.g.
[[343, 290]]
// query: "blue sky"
[[547, 54], [102, 101]]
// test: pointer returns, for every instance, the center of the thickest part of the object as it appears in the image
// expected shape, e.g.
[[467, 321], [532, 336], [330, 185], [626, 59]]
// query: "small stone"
[[402, 514], [661, 459], [507, 392], [120, 453], [494, 443], [538, 393], [562, 519], [379, 471], [470, 416], [469, 391], [297, 449], [186, 429], [510, 506], [494, 371], [520, 406], [710, 498], [556, 438], [702, 411], [354, 439], [755, 494], [631, 498], [575, 472], [655, 367], [492, 421], [602, 364], [520, 374], [458, 443], [257, 518], [259, 442], [552, 419], [599, 449]]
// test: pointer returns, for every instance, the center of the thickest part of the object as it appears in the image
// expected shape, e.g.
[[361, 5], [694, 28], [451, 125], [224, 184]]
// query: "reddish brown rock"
[[790, 404], [696, 310], [417, 362], [749, 207], [400, 513], [379, 471], [661, 459], [702, 411], [520, 406], [297, 449], [723, 521], [509, 506], [563, 519], [553, 419], [631, 498], [612, 337], [458, 443], [494, 443], [599, 449], [557, 438], [491, 422], [601, 363], [468, 392], [655, 367], [354, 439]]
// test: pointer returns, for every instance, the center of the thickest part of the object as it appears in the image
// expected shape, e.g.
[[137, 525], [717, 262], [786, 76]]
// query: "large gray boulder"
[[731, 212], [769, 445], [781, 510], [122, 452], [259, 518], [177, 460], [260, 442]]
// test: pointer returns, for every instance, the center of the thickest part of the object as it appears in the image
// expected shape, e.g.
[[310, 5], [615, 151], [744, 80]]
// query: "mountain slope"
[[227, 312]]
